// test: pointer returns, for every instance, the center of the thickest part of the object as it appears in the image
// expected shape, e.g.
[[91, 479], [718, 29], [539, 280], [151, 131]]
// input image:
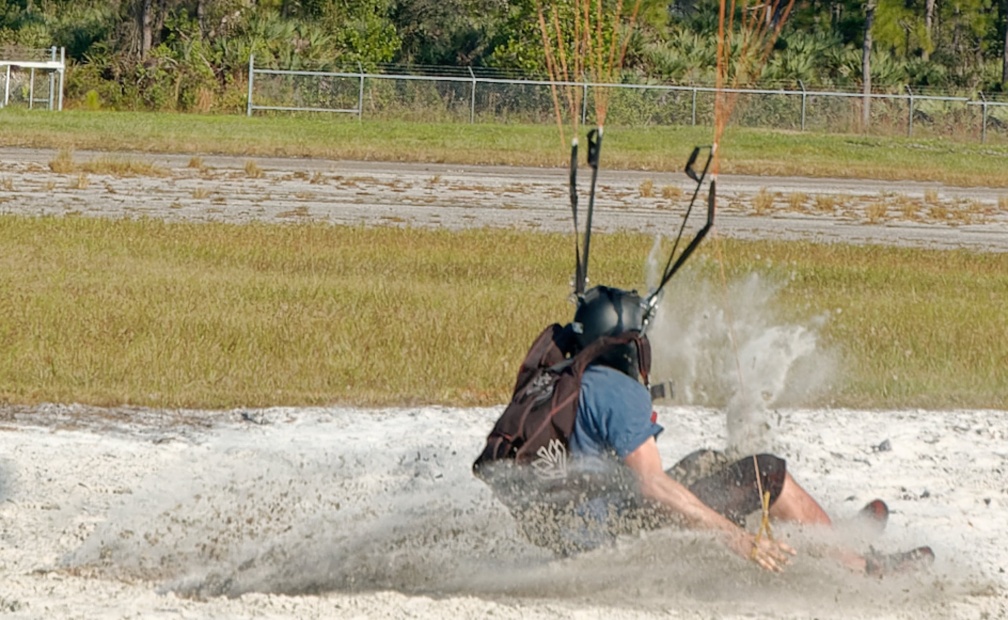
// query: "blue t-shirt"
[[613, 420], [613, 417]]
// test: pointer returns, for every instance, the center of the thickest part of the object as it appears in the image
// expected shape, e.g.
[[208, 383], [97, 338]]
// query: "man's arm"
[[658, 487]]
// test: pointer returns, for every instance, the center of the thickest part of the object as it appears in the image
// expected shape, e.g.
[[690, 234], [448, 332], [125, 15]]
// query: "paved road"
[[382, 193]]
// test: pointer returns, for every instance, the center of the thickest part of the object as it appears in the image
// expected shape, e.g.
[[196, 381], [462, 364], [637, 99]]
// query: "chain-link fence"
[[32, 77], [471, 95]]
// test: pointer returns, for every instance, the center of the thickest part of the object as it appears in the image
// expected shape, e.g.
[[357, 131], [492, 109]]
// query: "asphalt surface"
[[240, 189]]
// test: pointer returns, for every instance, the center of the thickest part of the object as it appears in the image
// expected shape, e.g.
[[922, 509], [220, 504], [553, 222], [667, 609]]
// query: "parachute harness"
[[576, 34]]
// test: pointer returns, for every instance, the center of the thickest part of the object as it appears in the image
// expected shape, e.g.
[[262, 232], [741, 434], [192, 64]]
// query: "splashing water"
[[727, 347]]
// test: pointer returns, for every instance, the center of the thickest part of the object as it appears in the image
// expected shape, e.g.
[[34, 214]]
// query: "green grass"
[[216, 315], [921, 328], [744, 151]]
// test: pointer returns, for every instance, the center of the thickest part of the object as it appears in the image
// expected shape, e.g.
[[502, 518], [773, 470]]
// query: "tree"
[[866, 49], [929, 12], [142, 25], [1004, 45], [900, 28], [145, 22], [452, 32]]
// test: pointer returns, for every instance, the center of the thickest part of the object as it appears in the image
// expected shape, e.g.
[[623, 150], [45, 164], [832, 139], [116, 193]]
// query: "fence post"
[[52, 79], [910, 120], [472, 102], [62, 71], [360, 94], [804, 97], [693, 113], [248, 105], [584, 104], [983, 118]]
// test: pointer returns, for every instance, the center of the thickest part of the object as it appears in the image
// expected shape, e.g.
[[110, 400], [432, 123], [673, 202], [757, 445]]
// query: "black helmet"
[[604, 311]]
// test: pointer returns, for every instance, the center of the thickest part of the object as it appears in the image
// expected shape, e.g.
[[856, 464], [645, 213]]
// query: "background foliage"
[[192, 55]]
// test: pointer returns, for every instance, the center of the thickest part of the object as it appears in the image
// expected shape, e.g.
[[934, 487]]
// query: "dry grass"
[[646, 188], [119, 167], [876, 212], [7, 184], [318, 178], [904, 203], [213, 315], [825, 203], [671, 192], [911, 210], [796, 201], [960, 217], [64, 163], [297, 212], [763, 201], [931, 197], [252, 170], [975, 207], [81, 181], [939, 212], [199, 193], [966, 213]]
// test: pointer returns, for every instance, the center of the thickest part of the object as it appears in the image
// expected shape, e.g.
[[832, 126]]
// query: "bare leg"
[[795, 504]]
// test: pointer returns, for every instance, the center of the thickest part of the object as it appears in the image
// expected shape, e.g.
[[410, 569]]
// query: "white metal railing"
[[344, 92], [25, 60]]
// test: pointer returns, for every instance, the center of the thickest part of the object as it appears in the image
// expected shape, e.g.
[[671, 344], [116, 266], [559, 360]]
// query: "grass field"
[[218, 315], [215, 315], [743, 151]]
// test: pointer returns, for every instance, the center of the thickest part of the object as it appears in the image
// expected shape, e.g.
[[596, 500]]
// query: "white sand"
[[342, 513]]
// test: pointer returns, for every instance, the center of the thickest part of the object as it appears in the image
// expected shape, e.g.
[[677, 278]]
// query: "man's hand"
[[657, 486], [771, 555]]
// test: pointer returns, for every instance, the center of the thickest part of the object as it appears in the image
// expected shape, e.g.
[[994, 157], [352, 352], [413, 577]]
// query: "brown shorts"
[[731, 487]]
